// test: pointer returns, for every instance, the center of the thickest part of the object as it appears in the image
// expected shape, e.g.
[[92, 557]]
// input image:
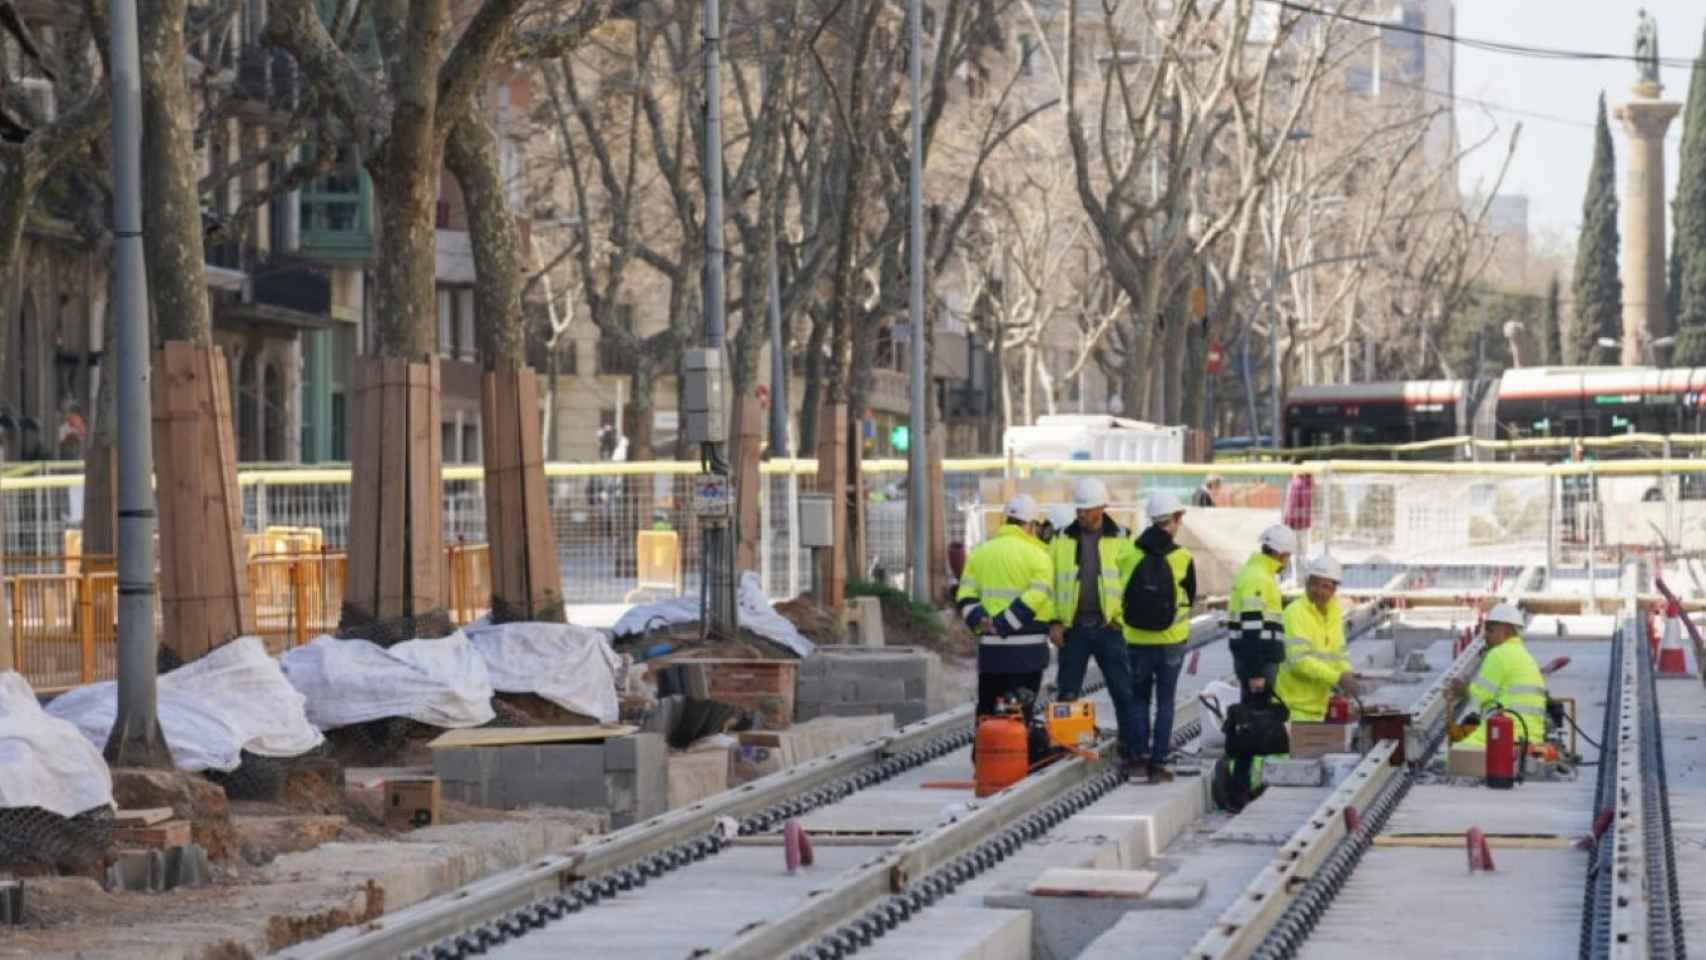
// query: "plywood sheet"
[[1074, 882], [515, 736]]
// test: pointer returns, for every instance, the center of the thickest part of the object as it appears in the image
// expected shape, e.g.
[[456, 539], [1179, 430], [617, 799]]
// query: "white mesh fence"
[[1378, 516]]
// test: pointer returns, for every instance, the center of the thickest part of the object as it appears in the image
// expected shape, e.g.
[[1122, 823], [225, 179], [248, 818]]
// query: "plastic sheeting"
[[211, 709], [1223, 696], [44, 761], [442, 682], [573, 667], [755, 612]]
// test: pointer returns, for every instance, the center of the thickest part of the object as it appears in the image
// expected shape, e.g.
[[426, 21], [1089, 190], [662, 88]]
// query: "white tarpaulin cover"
[[44, 761], [1224, 696], [211, 709], [573, 667], [756, 615], [441, 682]]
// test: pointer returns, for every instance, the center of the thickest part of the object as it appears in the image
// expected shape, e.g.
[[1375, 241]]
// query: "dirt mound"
[[814, 622]]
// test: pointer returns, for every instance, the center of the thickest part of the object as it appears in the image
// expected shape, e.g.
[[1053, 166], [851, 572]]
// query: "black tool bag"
[[1256, 728]]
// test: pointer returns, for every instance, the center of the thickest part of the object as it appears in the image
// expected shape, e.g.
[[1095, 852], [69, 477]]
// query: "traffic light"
[[898, 438]]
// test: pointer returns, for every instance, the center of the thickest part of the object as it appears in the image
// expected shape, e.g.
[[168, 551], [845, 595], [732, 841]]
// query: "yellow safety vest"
[[1179, 561], [1118, 556], [1314, 657], [1510, 678], [1012, 565]]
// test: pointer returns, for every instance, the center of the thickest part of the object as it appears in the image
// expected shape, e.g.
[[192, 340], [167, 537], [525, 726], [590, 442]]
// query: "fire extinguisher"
[[1502, 758], [1338, 710]]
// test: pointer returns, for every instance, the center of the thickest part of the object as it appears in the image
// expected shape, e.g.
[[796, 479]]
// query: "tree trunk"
[[171, 200], [525, 573], [100, 461]]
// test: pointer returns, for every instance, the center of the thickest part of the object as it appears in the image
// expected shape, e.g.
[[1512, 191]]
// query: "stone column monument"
[[1644, 120]]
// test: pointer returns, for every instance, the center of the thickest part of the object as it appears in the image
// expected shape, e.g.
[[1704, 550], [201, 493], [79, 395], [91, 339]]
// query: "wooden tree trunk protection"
[[832, 479], [204, 586], [749, 443], [397, 573], [527, 583]]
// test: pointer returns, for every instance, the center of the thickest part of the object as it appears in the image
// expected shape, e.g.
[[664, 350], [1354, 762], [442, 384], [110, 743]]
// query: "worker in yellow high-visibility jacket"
[[1005, 597], [1156, 614], [1254, 615], [1315, 660], [1509, 679]]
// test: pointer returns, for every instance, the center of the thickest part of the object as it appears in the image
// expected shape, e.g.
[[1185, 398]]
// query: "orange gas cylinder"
[[1003, 753]]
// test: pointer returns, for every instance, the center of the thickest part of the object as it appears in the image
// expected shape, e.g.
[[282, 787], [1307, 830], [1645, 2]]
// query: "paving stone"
[[516, 763], [564, 761], [630, 752]]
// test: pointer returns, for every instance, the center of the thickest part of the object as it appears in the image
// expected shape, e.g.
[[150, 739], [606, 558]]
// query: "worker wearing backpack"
[[1156, 608]]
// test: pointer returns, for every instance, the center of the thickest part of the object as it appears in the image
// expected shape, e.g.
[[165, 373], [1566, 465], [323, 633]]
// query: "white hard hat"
[[1060, 515], [1325, 567], [1280, 539], [1023, 508], [1508, 613], [1162, 505], [1089, 493]]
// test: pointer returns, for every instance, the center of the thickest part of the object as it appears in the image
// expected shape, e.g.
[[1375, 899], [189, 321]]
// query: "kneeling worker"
[[1004, 597], [1509, 679], [1315, 660]]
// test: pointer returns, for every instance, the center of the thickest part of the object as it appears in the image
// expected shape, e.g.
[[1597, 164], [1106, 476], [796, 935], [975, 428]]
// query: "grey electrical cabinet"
[[704, 415], [817, 521]]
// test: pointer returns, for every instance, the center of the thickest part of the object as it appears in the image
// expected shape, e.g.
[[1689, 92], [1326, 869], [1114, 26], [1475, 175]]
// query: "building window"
[[448, 442], [337, 210], [613, 357], [471, 443]]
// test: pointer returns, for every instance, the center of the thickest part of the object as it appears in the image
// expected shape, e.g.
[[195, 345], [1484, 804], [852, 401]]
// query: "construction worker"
[[1254, 614], [1156, 628], [1315, 659], [1056, 517], [1509, 680], [1004, 598], [1091, 557]]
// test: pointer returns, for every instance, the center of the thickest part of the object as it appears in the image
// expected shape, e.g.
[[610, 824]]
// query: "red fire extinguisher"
[[1338, 710], [1501, 749]]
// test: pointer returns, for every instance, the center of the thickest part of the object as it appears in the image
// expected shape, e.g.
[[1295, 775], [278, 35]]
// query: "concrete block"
[[515, 763], [695, 776], [1294, 773], [464, 763], [916, 688], [883, 690], [865, 615], [565, 761], [1065, 926], [1339, 766], [959, 933], [810, 690], [634, 751]]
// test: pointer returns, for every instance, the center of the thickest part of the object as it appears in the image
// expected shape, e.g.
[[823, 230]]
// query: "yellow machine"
[[1072, 723]]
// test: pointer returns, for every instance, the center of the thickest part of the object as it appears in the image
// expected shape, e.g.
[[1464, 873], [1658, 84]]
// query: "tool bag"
[[1256, 728]]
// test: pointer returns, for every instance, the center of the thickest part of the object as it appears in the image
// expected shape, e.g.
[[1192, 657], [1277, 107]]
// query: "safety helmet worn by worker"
[[1508, 613], [1089, 493], [1162, 505], [1325, 567], [1060, 515], [1279, 538], [1023, 508]]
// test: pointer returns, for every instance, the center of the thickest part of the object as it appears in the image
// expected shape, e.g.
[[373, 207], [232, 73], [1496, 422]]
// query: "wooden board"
[[145, 817], [1508, 841], [397, 436], [1072, 882], [515, 736], [543, 571], [363, 524]]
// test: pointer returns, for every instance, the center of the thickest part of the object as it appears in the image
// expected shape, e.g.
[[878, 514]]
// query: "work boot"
[[1159, 774], [1132, 768]]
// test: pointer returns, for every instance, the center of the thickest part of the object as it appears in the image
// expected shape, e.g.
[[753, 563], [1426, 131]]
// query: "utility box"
[[1312, 740], [704, 414], [817, 521], [411, 802]]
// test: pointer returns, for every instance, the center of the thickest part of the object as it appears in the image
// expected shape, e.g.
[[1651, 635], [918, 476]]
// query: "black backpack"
[[1256, 728], [1151, 598]]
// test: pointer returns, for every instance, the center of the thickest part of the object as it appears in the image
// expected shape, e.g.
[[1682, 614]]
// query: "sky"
[[1551, 162]]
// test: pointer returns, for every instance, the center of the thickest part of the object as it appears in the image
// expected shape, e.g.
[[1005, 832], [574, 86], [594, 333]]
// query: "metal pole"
[[719, 539], [1273, 348], [917, 494], [135, 740]]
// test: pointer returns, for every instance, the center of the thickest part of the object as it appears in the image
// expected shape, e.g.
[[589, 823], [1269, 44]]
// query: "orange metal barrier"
[[63, 625]]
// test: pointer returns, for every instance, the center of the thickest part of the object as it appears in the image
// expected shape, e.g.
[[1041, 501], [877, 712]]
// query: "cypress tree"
[[1597, 290], [1551, 331], [1688, 248]]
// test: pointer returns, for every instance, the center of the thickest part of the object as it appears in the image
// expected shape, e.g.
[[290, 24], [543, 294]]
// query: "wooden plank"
[[508, 559], [426, 557], [435, 478], [183, 488], [1071, 882], [361, 570], [142, 817], [545, 579], [230, 517], [223, 580], [395, 438], [508, 736], [496, 533]]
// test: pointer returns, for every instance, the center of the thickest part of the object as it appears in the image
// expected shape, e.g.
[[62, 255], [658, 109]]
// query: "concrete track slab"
[[1530, 907], [958, 933], [1682, 720], [690, 909]]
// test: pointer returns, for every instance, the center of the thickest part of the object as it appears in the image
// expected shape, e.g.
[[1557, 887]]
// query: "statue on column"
[[1646, 47]]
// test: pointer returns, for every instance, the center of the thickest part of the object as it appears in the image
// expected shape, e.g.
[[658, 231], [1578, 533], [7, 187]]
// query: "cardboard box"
[[411, 802], [157, 836], [1466, 762], [1311, 741]]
